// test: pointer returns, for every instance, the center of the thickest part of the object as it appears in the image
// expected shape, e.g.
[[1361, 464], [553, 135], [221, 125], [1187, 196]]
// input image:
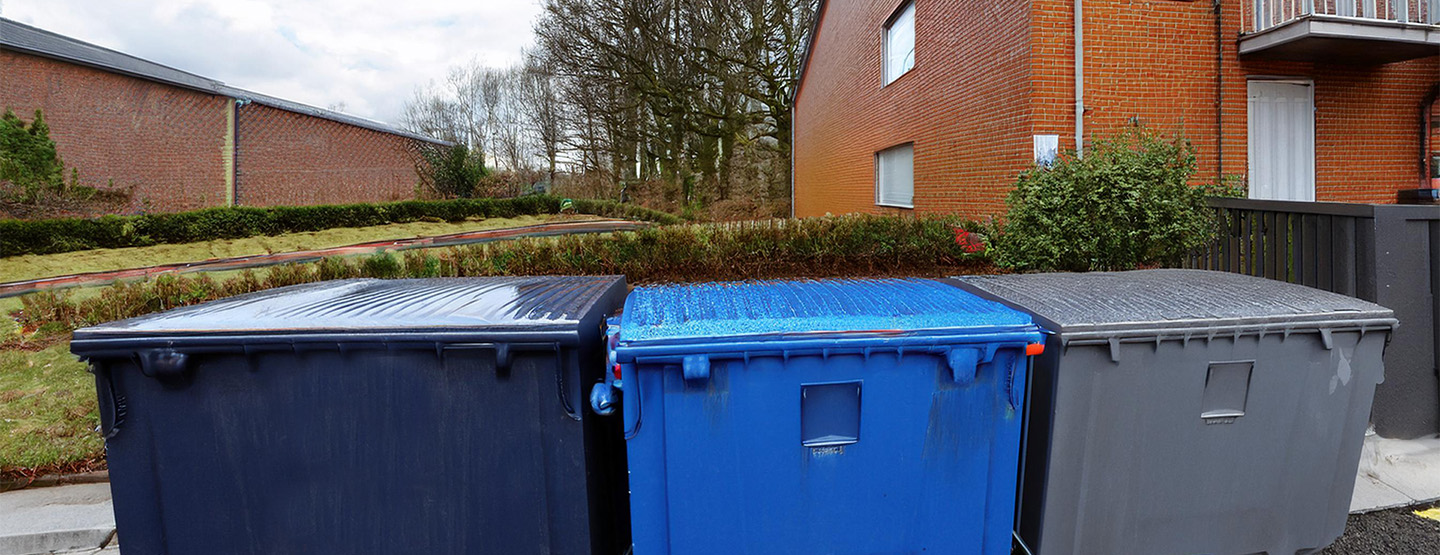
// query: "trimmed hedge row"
[[73, 234]]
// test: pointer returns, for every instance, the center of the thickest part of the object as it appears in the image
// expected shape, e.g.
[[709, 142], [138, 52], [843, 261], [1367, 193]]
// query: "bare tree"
[[539, 96], [688, 99], [680, 87], [463, 109]]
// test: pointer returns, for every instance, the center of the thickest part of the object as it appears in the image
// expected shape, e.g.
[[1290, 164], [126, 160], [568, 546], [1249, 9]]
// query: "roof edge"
[[809, 49], [210, 86], [323, 113]]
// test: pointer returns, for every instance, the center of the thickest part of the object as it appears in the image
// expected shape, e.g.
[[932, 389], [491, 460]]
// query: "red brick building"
[[180, 141], [1308, 100]]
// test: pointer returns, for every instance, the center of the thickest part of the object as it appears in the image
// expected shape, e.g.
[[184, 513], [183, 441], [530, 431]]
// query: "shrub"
[[28, 159], [71, 234], [381, 265], [1125, 204], [453, 171]]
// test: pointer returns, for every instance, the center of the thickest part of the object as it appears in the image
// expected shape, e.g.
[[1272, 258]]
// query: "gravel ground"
[[1391, 532]]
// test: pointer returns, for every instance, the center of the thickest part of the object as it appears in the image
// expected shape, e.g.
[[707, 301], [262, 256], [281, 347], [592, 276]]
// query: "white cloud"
[[368, 54]]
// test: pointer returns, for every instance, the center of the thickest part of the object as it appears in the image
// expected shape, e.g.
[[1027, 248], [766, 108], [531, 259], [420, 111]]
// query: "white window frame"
[[906, 11], [880, 171]]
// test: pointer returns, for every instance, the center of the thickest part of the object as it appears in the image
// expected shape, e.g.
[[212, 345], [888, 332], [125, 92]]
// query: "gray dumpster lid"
[[368, 306], [1174, 302]]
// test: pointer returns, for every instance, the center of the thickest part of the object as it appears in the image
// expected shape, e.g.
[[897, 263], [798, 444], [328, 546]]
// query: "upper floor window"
[[900, 43]]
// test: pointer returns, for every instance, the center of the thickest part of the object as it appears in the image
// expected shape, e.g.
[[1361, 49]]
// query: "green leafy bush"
[[71, 234], [815, 247], [453, 171], [28, 159], [1127, 203]]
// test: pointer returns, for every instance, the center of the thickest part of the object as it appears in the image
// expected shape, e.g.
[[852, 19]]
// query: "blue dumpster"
[[856, 416]]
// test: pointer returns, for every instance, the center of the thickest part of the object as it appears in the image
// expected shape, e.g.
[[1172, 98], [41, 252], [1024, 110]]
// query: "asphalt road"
[[1391, 532]]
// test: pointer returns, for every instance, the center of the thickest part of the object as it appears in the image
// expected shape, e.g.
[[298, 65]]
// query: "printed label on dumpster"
[[829, 451]]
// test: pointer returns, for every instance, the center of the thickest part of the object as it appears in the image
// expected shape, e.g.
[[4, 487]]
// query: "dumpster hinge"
[[965, 362], [696, 367]]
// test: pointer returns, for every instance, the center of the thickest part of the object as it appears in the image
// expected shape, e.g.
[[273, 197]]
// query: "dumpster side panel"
[[718, 465], [353, 451], [1141, 461]]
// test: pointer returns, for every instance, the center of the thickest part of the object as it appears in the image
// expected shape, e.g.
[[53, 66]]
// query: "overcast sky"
[[368, 54]]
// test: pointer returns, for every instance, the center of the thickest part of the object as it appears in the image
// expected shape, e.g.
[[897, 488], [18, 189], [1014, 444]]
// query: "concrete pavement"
[[56, 519], [1396, 473]]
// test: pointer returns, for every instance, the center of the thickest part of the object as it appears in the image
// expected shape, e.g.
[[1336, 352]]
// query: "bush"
[[72, 234], [1127, 203], [28, 159], [817, 247], [453, 171]]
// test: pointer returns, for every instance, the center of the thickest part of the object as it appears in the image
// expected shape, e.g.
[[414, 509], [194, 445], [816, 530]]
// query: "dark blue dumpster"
[[365, 416], [869, 416]]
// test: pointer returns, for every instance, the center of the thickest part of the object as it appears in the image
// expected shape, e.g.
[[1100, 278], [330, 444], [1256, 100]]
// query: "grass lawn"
[[30, 266], [48, 412]]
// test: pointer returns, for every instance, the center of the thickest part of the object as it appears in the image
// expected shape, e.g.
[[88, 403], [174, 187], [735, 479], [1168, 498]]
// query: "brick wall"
[[287, 158], [986, 79], [165, 142], [170, 144], [1153, 61], [964, 105]]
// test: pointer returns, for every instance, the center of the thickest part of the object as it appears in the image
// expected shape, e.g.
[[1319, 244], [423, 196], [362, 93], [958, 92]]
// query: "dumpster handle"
[[113, 405], [560, 386]]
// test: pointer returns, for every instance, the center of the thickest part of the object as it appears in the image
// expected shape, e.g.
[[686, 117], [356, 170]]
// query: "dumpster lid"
[[1150, 302], [371, 305], [700, 312]]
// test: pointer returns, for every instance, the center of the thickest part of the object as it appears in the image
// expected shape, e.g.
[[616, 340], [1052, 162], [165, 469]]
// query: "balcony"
[[1367, 32]]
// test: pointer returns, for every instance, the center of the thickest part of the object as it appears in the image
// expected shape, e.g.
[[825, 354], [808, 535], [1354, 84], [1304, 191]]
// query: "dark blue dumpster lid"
[[703, 312], [1174, 302], [366, 306]]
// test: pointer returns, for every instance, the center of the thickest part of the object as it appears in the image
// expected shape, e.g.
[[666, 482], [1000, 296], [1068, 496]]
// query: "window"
[[900, 43], [895, 176]]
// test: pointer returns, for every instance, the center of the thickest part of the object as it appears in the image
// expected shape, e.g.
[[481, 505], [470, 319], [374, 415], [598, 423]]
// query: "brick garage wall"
[[164, 142], [286, 158], [1153, 61], [965, 105]]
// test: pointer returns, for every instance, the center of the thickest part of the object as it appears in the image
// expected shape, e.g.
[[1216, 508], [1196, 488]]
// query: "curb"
[[49, 480], [61, 541]]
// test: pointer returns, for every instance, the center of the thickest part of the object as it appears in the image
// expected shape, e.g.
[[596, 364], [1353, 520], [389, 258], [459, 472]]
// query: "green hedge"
[[72, 234]]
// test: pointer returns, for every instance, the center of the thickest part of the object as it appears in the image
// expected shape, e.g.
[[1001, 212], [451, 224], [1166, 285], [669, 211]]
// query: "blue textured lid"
[[672, 313]]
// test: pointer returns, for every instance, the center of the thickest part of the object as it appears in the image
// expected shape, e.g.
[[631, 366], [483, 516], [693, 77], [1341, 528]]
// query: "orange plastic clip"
[[1034, 349]]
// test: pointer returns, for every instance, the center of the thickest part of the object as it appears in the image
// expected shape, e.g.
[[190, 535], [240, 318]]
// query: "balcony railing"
[[1259, 15]]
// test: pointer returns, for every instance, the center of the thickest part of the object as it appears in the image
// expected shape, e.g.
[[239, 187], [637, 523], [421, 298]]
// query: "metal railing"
[[1387, 254], [1258, 15]]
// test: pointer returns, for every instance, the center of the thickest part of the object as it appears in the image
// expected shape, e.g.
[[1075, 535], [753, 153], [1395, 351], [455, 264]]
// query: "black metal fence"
[[1386, 254]]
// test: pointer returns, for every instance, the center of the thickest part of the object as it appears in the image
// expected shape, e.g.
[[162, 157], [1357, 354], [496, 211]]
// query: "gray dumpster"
[[1185, 412]]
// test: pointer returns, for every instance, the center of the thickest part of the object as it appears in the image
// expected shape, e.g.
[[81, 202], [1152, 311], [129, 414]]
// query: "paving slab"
[[61, 518], [1396, 473]]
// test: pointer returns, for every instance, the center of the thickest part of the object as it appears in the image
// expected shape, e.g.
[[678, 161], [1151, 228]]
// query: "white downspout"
[[1079, 79]]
